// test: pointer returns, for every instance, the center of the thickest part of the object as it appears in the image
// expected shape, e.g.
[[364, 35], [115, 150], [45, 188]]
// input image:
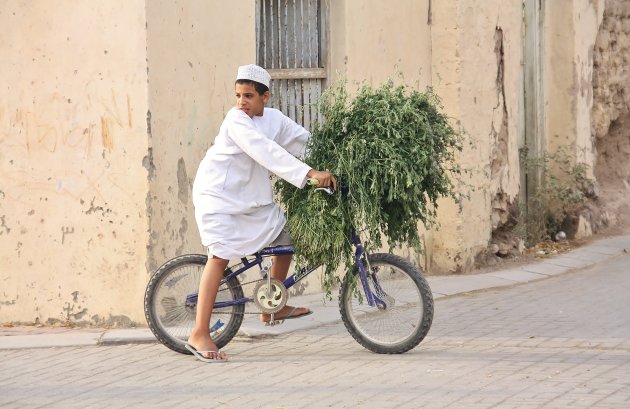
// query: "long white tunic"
[[232, 191]]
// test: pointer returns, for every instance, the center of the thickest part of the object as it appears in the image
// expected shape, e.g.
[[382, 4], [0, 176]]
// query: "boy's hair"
[[260, 88]]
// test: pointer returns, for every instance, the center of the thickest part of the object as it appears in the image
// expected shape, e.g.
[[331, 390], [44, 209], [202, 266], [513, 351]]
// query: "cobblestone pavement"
[[561, 342]]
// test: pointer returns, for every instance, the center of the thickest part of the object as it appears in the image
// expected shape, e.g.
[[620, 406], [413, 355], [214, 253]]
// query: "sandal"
[[289, 316], [199, 354]]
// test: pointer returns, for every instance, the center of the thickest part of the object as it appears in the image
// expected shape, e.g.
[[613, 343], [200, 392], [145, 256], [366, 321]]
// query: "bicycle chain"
[[243, 284], [240, 313], [235, 313]]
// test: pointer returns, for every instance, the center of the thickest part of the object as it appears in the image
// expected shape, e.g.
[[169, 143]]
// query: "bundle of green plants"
[[392, 150]]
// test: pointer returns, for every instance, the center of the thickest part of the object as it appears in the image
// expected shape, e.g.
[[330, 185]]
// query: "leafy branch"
[[394, 150]]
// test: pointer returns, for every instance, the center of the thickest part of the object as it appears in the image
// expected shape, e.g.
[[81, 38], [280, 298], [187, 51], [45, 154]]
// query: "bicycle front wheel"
[[403, 312], [170, 303]]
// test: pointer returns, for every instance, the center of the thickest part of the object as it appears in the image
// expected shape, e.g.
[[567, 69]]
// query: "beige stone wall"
[[108, 107], [587, 18], [571, 28], [611, 77], [373, 40], [611, 113], [108, 111], [194, 49], [586, 95], [476, 69], [478, 76], [73, 137]]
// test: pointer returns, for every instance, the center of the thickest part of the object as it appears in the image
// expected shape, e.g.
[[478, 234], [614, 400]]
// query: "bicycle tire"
[[407, 318], [171, 319]]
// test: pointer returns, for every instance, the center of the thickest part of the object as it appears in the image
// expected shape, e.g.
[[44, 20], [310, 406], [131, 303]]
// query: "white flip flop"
[[199, 354]]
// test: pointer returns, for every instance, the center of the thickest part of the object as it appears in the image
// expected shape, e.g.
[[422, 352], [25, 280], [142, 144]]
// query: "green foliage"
[[563, 190], [393, 149]]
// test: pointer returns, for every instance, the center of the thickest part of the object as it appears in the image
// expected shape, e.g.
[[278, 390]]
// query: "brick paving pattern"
[[556, 343]]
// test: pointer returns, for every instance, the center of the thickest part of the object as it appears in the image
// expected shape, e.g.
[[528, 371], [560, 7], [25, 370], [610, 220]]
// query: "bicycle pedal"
[[274, 322]]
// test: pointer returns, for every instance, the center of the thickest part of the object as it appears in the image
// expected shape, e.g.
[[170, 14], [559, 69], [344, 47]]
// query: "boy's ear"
[[266, 96]]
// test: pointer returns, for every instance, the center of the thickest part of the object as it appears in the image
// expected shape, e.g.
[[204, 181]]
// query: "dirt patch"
[[546, 250]]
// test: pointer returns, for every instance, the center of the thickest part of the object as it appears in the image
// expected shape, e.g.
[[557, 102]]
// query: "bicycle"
[[390, 312]]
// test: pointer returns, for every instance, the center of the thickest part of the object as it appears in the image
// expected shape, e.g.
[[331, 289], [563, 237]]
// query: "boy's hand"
[[325, 178]]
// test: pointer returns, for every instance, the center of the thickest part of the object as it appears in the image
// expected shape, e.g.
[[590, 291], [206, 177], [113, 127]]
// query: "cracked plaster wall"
[[611, 112], [571, 28], [611, 88], [144, 130], [72, 136], [101, 136], [476, 69], [470, 53], [611, 77], [192, 56], [587, 99]]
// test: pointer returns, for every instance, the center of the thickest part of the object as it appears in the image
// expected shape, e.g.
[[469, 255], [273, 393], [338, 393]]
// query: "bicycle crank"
[[270, 296]]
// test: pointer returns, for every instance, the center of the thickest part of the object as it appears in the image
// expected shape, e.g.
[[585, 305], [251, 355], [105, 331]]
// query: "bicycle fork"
[[372, 297]]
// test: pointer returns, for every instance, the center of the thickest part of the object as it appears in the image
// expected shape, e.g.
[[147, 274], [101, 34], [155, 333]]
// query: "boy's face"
[[249, 100]]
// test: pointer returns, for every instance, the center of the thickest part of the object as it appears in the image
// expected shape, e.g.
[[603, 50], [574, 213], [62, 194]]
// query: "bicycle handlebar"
[[315, 182]]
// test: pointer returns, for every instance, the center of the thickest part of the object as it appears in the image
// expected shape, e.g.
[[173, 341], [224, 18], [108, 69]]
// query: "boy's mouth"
[[247, 111]]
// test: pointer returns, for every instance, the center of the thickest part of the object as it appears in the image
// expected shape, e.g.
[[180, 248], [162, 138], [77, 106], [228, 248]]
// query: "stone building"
[[107, 107]]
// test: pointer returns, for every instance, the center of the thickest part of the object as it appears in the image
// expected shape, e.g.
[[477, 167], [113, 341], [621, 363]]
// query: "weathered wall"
[[480, 83], [611, 77], [476, 69], [587, 17], [372, 40], [73, 109], [587, 97], [194, 49], [108, 107], [611, 112], [570, 31]]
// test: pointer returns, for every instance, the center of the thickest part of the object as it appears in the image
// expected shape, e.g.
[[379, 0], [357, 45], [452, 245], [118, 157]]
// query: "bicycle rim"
[[406, 317], [171, 314]]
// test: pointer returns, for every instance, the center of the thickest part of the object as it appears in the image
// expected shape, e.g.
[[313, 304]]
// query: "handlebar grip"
[[315, 182]]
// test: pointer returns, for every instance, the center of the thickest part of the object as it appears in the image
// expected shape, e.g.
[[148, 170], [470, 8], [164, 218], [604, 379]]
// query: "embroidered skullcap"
[[253, 72]]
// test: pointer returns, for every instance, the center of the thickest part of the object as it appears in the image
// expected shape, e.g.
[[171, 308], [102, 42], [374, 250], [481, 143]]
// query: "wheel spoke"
[[169, 316], [406, 311]]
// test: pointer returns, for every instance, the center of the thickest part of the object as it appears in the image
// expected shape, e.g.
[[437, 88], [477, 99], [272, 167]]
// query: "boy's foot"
[[287, 313], [205, 349], [201, 355]]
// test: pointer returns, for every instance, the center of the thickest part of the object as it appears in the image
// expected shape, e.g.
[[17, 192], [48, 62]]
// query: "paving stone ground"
[[556, 343]]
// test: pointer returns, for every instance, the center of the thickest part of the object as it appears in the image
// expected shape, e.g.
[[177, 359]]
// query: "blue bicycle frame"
[[371, 298]]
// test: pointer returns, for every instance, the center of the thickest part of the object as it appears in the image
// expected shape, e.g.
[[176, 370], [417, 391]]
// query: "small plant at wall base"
[[563, 192], [393, 149]]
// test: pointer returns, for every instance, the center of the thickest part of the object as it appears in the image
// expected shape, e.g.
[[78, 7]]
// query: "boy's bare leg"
[[208, 287], [279, 271]]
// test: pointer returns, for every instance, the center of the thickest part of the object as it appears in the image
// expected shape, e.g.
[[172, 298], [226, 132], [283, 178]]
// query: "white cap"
[[253, 72]]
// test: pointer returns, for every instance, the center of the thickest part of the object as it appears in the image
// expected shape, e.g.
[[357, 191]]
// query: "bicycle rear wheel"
[[403, 317], [170, 303]]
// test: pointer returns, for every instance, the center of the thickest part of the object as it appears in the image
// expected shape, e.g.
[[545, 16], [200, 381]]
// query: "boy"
[[232, 194]]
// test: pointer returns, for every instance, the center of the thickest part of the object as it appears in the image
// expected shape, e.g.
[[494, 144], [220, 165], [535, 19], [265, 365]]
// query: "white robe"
[[232, 192]]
